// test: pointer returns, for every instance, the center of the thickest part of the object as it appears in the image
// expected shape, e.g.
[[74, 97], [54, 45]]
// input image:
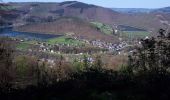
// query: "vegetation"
[[46, 72], [47, 12], [78, 27], [81, 5], [6, 66], [147, 73], [153, 56], [28, 76], [7, 7], [25, 66], [103, 28], [135, 34], [129, 28], [23, 46], [64, 40]]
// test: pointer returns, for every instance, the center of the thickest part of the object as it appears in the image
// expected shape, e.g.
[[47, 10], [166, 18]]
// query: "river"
[[27, 35]]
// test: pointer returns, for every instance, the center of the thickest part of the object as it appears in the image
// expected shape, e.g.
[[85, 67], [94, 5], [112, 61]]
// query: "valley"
[[78, 50], [73, 27]]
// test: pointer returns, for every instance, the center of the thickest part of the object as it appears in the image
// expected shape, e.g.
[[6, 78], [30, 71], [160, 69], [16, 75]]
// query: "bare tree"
[[6, 66]]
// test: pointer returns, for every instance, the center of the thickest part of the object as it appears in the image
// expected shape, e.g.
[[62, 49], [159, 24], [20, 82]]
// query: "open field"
[[103, 28], [135, 34], [64, 40], [23, 46], [7, 8]]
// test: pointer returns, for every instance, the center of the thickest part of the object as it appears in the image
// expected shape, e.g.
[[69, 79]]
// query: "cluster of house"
[[96, 43], [46, 48], [106, 45], [51, 62], [110, 46], [89, 60]]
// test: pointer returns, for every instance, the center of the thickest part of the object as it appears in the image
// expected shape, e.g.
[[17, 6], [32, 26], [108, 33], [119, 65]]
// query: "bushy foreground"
[[146, 77]]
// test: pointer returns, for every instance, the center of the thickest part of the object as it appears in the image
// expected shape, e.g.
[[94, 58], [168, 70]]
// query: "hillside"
[[37, 12], [132, 10], [163, 10], [103, 28], [7, 16], [148, 19], [68, 26]]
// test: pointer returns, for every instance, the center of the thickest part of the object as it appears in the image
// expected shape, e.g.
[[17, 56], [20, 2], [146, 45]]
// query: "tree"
[[6, 64], [153, 55], [85, 62], [42, 75], [98, 63], [26, 66]]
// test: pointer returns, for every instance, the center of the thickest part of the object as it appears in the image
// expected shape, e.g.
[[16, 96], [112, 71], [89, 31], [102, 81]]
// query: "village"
[[88, 49], [57, 48]]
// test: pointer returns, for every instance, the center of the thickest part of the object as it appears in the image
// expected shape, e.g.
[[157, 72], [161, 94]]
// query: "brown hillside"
[[80, 29], [50, 12]]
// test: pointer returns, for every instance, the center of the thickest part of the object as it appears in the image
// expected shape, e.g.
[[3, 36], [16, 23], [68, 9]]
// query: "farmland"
[[135, 34], [103, 27], [64, 40]]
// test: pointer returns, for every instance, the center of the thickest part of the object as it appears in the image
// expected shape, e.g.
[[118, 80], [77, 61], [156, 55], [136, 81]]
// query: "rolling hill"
[[37, 12], [68, 26], [148, 19], [132, 10], [7, 16], [30, 13], [163, 10]]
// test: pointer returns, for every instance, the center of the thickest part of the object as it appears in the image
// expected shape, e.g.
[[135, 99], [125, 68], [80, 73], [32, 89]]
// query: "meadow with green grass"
[[135, 34], [7, 8], [103, 27], [23, 46], [64, 40]]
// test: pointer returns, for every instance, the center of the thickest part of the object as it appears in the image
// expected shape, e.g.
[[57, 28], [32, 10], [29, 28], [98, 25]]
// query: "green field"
[[103, 28], [64, 40], [7, 8], [135, 34], [23, 46]]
